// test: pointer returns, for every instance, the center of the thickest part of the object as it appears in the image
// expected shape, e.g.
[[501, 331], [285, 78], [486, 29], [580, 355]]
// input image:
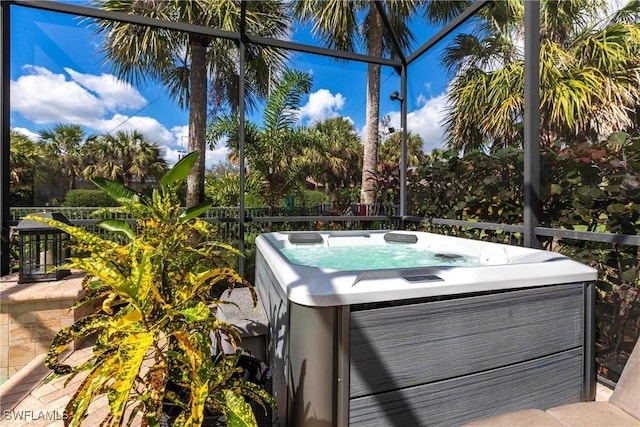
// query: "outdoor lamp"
[[42, 249], [395, 96]]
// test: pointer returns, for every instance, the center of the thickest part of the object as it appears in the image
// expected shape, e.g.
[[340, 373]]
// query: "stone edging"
[[20, 385]]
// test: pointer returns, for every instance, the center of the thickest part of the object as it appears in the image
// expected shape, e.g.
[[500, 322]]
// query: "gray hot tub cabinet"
[[437, 360]]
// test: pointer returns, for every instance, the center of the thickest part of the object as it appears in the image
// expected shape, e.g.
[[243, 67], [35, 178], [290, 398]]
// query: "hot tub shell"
[[425, 346]]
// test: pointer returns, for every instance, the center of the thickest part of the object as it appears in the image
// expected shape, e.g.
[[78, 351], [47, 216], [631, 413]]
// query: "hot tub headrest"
[[309, 237], [400, 238]]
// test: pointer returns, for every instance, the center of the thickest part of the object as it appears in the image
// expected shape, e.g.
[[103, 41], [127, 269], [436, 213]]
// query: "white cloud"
[[26, 132], [180, 146], [422, 100], [150, 127], [322, 105], [349, 120], [427, 121], [612, 7], [172, 155], [180, 136], [44, 97], [112, 92], [97, 102], [216, 156]]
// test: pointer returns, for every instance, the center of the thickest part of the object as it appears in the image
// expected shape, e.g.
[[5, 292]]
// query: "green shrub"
[[310, 198], [348, 195], [88, 198], [21, 198]]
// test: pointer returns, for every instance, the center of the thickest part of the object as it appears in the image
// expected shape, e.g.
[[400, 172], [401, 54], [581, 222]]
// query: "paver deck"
[[25, 402]]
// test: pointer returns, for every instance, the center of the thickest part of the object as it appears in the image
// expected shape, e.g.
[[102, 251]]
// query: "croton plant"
[[156, 287]]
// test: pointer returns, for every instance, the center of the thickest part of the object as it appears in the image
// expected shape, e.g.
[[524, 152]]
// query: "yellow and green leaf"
[[238, 412], [128, 361]]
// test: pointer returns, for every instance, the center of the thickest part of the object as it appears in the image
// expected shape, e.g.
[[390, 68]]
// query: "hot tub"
[[449, 330]]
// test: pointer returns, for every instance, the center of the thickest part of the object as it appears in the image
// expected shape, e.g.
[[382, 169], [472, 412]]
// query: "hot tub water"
[[374, 257]]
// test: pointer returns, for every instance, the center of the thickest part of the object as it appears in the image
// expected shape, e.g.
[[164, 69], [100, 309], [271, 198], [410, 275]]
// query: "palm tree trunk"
[[197, 118], [370, 156]]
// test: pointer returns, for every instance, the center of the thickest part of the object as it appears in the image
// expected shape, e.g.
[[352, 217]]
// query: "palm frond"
[[629, 13], [281, 111], [443, 12], [334, 21]]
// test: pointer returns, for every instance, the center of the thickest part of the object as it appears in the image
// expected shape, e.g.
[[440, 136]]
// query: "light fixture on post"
[[43, 249], [182, 152], [395, 96]]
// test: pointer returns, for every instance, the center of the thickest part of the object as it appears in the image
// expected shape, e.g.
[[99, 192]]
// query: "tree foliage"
[[196, 69], [389, 150], [63, 155], [274, 150], [65, 143], [26, 160], [336, 160], [224, 189], [589, 62], [345, 26], [88, 198], [585, 187], [125, 157]]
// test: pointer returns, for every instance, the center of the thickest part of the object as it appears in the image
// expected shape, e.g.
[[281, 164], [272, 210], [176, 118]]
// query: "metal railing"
[[256, 221], [327, 215], [357, 217]]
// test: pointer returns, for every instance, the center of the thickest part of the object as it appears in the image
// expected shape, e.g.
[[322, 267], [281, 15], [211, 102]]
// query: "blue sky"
[[57, 76]]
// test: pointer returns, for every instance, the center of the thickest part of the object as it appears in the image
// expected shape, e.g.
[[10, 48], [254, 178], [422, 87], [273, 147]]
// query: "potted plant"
[[157, 288]]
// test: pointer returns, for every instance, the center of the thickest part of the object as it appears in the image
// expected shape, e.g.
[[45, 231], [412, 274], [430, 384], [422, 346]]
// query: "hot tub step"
[[251, 322]]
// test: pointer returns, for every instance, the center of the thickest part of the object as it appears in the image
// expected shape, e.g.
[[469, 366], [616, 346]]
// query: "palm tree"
[[66, 142], [222, 189], [191, 65], [27, 168], [389, 151], [341, 25], [590, 84], [23, 157], [126, 156], [336, 160], [274, 150]]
